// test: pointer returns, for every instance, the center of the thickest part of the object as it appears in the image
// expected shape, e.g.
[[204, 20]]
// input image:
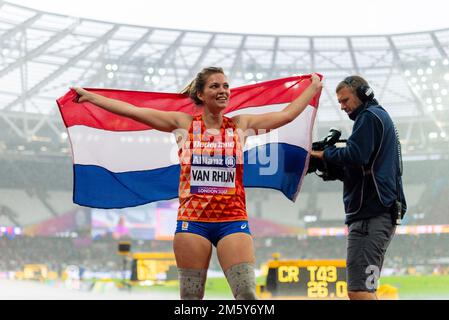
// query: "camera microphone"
[[332, 137]]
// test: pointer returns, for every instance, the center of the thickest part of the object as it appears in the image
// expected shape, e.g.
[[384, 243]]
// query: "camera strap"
[[367, 172], [398, 203], [396, 209]]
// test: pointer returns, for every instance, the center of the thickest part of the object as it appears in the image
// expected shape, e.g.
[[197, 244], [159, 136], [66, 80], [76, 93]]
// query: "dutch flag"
[[118, 162]]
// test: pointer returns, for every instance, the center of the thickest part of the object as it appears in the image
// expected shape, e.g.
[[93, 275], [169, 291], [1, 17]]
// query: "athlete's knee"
[[242, 280], [191, 283]]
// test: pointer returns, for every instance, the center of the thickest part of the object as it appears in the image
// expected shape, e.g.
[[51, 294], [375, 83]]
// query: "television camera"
[[320, 167]]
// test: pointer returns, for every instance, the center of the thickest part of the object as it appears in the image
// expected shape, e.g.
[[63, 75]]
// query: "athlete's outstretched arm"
[[161, 120], [274, 120]]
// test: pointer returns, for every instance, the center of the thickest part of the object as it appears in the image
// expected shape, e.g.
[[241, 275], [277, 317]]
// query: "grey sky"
[[316, 17]]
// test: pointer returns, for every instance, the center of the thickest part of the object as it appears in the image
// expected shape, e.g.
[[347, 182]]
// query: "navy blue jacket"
[[371, 164]]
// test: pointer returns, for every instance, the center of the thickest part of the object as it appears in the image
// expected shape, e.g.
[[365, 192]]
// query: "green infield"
[[419, 287], [409, 287]]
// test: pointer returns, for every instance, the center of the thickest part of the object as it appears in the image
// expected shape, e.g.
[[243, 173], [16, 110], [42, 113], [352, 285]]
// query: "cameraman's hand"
[[317, 154]]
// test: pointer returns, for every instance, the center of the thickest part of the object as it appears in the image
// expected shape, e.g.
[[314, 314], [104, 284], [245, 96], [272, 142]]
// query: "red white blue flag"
[[118, 162]]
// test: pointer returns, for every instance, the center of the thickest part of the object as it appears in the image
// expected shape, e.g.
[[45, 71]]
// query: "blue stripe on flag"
[[97, 187], [291, 162]]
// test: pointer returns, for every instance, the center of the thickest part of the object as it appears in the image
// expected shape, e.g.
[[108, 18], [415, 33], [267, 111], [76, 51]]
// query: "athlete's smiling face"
[[216, 92]]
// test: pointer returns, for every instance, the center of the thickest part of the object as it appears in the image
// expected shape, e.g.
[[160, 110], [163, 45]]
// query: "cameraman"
[[371, 172]]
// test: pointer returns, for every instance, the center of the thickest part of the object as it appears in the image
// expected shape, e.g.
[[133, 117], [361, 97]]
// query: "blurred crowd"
[[407, 253]]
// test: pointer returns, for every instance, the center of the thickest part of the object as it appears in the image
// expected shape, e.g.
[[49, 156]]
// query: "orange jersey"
[[211, 179]]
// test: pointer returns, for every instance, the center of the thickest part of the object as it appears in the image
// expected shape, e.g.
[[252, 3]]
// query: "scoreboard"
[[153, 266], [314, 279]]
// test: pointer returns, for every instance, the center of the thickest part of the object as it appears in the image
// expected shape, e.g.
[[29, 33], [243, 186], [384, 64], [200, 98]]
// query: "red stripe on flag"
[[256, 95]]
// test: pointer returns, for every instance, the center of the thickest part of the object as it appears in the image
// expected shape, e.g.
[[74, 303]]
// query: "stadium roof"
[[42, 54], [279, 17]]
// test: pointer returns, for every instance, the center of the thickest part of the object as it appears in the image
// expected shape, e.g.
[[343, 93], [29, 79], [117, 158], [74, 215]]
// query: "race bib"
[[213, 164], [212, 175]]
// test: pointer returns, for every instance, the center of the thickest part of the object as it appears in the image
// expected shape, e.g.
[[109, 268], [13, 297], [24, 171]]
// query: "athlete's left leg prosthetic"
[[242, 280]]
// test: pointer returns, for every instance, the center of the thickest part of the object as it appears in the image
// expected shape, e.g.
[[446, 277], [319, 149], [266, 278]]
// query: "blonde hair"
[[197, 85]]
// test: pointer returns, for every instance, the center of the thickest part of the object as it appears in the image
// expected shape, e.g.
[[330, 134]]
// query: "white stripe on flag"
[[124, 151], [295, 133]]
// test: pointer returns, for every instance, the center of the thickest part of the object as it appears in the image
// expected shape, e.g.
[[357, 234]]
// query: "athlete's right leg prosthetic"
[[242, 280], [191, 283]]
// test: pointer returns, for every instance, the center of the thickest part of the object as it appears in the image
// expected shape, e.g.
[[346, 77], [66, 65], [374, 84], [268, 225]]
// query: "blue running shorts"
[[213, 231]]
